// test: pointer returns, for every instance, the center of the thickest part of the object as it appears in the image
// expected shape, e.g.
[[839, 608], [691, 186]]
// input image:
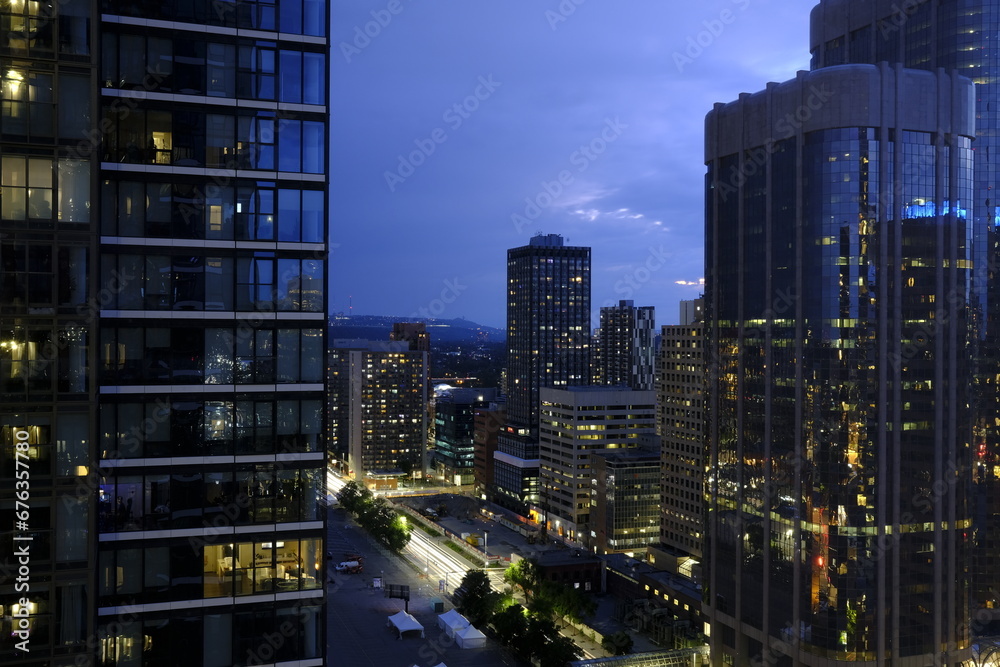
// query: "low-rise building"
[[453, 458], [625, 499]]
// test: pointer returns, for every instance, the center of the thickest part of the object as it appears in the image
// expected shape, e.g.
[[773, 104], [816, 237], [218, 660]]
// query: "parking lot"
[[500, 540], [357, 635]]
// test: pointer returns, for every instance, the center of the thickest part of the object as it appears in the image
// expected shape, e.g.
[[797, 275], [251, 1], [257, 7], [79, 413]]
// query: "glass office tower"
[[961, 35], [548, 345], [840, 268], [164, 175]]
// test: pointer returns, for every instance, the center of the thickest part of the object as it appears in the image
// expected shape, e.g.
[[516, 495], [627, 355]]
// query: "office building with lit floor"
[[960, 35], [680, 404], [839, 268], [624, 499], [574, 423], [455, 430], [548, 345]]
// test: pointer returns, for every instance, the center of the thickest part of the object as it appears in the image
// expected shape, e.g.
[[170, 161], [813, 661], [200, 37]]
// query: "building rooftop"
[[553, 240], [566, 557], [596, 388], [371, 345]]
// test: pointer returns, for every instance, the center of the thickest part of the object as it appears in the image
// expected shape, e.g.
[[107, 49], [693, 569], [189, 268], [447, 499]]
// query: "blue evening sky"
[[463, 127]]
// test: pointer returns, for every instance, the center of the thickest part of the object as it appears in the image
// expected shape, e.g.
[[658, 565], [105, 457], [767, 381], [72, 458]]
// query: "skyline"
[[456, 146]]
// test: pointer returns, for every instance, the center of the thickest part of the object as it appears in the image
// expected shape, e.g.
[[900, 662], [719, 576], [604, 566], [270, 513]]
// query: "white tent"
[[404, 622], [470, 638], [451, 622]]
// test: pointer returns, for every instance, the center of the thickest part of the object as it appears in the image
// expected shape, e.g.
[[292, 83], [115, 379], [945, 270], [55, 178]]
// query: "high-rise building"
[[415, 333], [48, 333], [960, 35], [624, 499], [548, 345], [840, 261], [454, 431], [680, 404], [626, 346], [575, 422], [692, 310], [378, 403], [164, 208]]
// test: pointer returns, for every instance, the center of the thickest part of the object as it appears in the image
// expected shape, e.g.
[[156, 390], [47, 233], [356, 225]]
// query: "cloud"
[[559, 89]]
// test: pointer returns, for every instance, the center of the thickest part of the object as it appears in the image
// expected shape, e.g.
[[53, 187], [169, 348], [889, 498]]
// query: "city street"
[[357, 613], [438, 562], [357, 635]]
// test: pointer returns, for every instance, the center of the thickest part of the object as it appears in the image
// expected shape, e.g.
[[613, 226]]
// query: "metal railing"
[[685, 657]]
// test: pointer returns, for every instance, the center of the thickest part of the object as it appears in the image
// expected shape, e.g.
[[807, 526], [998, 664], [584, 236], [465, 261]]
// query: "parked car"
[[350, 567]]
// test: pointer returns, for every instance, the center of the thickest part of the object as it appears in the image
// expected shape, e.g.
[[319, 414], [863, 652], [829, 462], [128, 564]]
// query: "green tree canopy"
[[375, 515], [558, 652], [524, 574], [565, 601], [477, 600], [352, 496], [510, 624]]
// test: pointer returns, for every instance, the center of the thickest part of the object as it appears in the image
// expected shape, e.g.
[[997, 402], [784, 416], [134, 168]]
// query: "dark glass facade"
[[209, 354], [162, 272], [960, 35], [454, 431], [548, 345], [548, 323], [48, 332], [840, 269], [624, 507]]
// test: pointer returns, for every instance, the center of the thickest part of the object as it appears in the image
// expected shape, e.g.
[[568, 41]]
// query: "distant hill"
[[378, 327]]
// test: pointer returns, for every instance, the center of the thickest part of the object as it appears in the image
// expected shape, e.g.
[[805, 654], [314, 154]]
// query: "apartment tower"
[[378, 403], [626, 346], [164, 208]]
